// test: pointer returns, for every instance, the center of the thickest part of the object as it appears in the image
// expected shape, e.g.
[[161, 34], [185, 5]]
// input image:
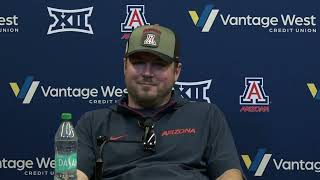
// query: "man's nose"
[[147, 70]]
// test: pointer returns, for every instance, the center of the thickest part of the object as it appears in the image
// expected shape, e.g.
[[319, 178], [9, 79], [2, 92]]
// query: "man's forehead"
[[147, 57]]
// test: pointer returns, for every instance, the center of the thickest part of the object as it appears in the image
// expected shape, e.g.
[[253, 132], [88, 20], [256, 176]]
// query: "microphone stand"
[[148, 141]]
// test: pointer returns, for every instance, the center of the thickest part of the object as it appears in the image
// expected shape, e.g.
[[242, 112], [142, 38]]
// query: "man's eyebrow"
[[155, 60], [161, 61], [135, 57]]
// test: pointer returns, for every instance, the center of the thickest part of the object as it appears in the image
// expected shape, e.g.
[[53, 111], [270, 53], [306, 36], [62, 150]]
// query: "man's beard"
[[145, 100]]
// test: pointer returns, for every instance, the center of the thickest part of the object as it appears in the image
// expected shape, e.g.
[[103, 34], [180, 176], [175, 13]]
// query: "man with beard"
[[176, 139]]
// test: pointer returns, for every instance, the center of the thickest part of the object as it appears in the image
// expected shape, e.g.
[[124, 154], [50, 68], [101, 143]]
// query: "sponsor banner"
[[282, 23], [206, 19], [9, 24], [66, 20], [263, 161], [194, 91], [103, 94], [38, 166], [314, 91], [135, 18], [254, 98]]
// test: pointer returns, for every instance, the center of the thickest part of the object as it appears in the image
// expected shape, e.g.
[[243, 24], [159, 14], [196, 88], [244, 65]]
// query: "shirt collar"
[[174, 103]]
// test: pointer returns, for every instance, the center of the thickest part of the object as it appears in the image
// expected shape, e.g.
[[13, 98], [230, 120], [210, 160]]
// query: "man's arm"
[[86, 156], [231, 174], [81, 175], [223, 159]]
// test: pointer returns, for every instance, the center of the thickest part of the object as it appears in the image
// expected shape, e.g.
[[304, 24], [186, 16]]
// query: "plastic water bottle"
[[66, 142]]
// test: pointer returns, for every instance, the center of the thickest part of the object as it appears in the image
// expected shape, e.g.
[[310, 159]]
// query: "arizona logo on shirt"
[[254, 98], [135, 18], [174, 132]]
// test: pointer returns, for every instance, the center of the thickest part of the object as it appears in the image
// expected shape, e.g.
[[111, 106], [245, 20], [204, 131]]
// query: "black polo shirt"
[[193, 142]]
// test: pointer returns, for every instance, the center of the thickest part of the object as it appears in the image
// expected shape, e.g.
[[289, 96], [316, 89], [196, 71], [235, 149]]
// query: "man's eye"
[[160, 64], [137, 62]]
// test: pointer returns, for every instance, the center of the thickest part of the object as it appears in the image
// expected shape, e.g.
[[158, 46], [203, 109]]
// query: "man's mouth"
[[147, 84]]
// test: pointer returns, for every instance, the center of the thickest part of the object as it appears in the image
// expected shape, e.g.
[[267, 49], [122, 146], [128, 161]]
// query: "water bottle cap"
[[66, 116]]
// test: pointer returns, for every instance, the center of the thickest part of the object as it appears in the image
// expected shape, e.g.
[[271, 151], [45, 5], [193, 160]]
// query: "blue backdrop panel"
[[66, 56]]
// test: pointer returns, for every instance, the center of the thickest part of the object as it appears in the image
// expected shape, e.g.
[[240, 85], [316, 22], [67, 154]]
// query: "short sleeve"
[[86, 150], [221, 150]]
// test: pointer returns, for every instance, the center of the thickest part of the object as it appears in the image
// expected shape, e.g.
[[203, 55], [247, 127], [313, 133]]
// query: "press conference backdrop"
[[258, 60]]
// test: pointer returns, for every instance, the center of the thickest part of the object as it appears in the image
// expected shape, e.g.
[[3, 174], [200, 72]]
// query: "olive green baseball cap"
[[154, 39]]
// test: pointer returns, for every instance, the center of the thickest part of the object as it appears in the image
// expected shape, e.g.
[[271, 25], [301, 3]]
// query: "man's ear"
[[177, 71]]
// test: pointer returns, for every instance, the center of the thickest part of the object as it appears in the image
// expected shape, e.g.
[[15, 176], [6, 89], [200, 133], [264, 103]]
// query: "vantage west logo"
[[314, 91], [206, 19], [262, 159], [275, 24], [27, 91], [101, 95], [9, 24], [135, 18], [196, 91], [39, 166], [65, 20], [254, 98]]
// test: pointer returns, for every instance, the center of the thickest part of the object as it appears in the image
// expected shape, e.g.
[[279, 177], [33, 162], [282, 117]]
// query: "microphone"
[[149, 138], [101, 141]]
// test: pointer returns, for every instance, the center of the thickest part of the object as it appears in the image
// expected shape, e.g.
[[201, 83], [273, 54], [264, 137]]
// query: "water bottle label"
[[65, 162]]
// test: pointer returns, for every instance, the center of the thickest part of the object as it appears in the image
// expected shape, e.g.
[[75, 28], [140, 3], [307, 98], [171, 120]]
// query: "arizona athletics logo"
[[195, 91], [135, 18], [76, 20], [254, 96], [206, 19], [314, 91], [259, 163], [27, 90], [150, 40]]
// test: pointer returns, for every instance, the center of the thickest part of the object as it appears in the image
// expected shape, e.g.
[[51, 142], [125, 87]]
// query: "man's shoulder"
[[209, 110], [97, 112], [96, 115], [201, 106]]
